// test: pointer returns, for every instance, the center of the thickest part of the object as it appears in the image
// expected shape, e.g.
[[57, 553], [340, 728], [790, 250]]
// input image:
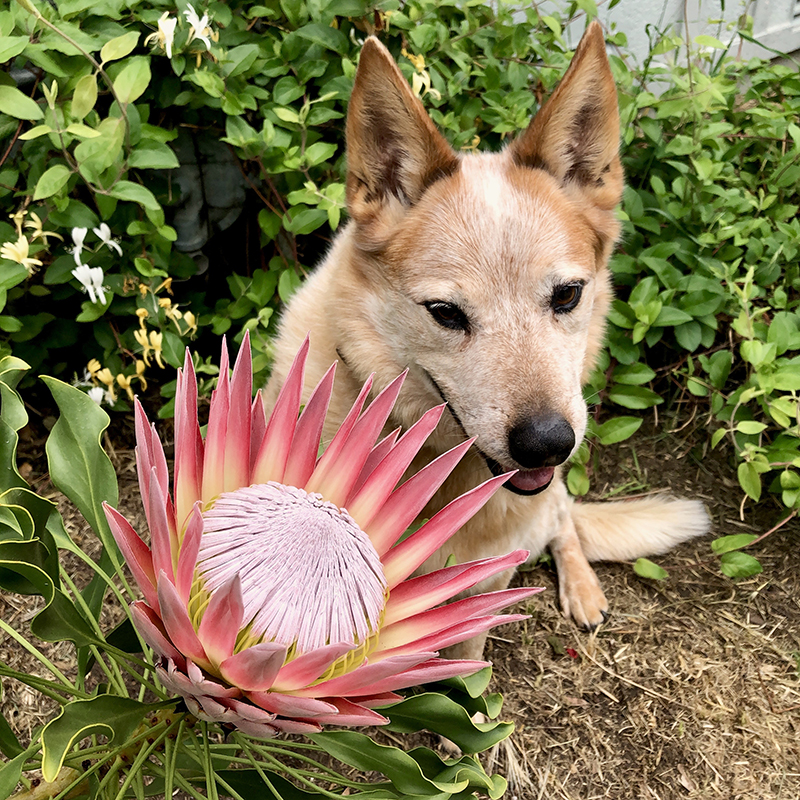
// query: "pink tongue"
[[528, 480]]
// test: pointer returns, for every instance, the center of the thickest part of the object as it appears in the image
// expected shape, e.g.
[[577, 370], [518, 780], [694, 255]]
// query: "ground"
[[690, 690]]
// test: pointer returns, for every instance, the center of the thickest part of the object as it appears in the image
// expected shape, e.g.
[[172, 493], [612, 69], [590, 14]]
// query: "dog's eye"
[[448, 315], [566, 297]]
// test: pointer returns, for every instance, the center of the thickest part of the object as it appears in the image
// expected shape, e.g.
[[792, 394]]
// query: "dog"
[[485, 275]]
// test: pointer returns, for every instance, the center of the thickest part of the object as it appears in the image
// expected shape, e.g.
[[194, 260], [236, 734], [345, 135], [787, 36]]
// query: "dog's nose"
[[543, 441]]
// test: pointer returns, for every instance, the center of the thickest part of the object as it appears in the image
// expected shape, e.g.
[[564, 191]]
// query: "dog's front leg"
[[578, 588]]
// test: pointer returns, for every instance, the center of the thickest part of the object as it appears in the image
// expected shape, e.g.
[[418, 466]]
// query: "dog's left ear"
[[575, 136]]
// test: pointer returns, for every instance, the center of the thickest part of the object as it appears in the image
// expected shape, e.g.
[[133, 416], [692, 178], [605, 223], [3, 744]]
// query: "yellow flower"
[[167, 284], [105, 376], [18, 216], [156, 338], [143, 314], [38, 233], [473, 145], [140, 368], [143, 289], [164, 302], [93, 367], [141, 338], [18, 251], [125, 382], [191, 322], [417, 61]]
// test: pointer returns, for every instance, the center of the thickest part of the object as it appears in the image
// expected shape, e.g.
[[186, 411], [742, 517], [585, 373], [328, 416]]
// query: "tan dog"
[[485, 275]]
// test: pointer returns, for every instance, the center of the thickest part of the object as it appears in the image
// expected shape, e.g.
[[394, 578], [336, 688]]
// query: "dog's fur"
[[463, 270]]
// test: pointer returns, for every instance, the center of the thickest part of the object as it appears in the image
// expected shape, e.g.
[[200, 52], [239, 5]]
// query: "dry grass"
[[691, 689]]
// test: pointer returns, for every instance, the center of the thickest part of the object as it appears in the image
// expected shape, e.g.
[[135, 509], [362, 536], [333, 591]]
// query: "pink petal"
[[254, 669], [349, 713], [152, 630], [344, 469], [237, 445], [188, 443], [428, 591], [177, 623], [459, 632], [160, 535], [136, 553], [295, 726], [288, 705], [309, 667], [305, 445], [378, 700], [258, 427], [270, 463], [352, 683], [187, 556], [377, 454], [405, 503], [365, 505], [144, 447], [403, 559], [436, 669], [439, 619], [222, 621], [217, 432], [334, 449]]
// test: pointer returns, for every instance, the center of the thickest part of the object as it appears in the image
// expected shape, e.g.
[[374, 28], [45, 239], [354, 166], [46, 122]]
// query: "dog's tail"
[[629, 529]]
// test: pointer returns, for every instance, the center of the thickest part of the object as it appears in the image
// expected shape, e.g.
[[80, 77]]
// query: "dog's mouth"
[[524, 481]]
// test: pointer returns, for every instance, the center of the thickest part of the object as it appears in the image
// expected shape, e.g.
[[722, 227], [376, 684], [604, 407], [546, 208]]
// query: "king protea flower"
[[276, 594]]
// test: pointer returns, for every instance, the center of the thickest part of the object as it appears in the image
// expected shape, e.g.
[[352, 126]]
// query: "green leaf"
[[114, 717], [16, 104], [12, 46], [750, 427], [645, 568], [438, 713], [633, 374], [9, 744], [578, 480], [727, 544], [119, 47], [153, 155], [85, 96], [689, 335], [618, 429], [749, 480], [36, 132], [328, 37], [82, 131], [288, 283], [79, 467], [132, 81], [136, 193], [636, 397], [671, 316], [52, 181], [739, 565], [10, 773], [361, 752]]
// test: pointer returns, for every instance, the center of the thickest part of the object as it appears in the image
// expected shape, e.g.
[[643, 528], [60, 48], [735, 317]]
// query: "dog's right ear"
[[394, 151]]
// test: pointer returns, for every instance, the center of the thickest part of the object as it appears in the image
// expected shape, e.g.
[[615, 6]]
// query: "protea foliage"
[[276, 594]]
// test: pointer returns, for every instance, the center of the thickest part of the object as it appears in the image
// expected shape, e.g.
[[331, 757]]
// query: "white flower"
[[97, 393], [103, 233], [198, 26], [78, 235], [91, 278], [165, 35]]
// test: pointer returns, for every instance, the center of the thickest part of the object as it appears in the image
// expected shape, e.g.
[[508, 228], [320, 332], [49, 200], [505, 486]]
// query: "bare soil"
[[690, 690]]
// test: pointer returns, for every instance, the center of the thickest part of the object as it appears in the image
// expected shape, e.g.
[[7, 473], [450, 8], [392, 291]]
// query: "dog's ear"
[[393, 147], [575, 136]]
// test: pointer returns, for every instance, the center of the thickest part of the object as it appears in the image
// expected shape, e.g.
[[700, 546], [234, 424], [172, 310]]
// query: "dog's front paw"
[[582, 598]]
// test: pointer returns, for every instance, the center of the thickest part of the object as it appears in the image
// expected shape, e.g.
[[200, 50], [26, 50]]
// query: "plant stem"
[[39, 656]]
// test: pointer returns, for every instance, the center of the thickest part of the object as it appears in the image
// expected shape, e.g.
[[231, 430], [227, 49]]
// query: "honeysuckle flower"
[[78, 237], [18, 251], [164, 36], [191, 322], [166, 284], [156, 338], [91, 279], [105, 376], [103, 233], [38, 231], [17, 217], [140, 368], [276, 594], [97, 393], [125, 383], [143, 314], [93, 367], [141, 338], [198, 26]]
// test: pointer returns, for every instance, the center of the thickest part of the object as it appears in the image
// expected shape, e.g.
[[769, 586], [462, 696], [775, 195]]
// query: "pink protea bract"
[[276, 594]]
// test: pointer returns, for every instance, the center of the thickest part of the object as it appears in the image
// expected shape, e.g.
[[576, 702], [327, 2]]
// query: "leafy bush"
[[113, 97]]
